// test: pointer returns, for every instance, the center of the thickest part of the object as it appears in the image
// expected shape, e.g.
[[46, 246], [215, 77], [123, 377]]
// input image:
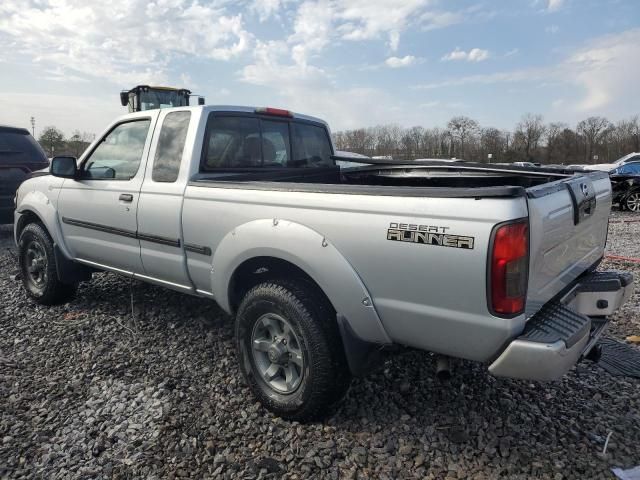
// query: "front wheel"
[[38, 267], [632, 202], [290, 350]]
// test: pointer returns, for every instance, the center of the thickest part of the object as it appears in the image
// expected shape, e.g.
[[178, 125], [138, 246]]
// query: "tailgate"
[[568, 222]]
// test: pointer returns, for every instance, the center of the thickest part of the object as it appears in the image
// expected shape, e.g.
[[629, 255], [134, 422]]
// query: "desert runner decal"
[[427, 235]]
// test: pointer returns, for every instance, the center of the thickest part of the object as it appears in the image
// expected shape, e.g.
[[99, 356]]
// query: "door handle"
[[126, 197]]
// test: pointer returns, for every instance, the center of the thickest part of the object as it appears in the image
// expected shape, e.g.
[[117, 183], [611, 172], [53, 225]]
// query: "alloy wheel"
[[277, 353], [633, 202], [36, 264]]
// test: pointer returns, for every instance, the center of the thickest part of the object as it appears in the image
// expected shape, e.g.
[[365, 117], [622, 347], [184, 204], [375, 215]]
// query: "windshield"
[[162, 99]]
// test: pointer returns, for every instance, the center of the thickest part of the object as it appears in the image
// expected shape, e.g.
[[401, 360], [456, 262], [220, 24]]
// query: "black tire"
[[325, 377], [40, 278]]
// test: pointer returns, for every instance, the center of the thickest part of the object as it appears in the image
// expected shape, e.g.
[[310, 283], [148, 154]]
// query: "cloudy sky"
[[353, 62]]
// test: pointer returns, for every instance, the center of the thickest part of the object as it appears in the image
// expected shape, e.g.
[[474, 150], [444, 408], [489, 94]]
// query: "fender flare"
[[39, 204], [311, 252]]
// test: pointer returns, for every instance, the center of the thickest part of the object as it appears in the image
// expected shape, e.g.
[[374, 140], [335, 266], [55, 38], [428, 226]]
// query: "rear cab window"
[[234, 141], [171, 142]]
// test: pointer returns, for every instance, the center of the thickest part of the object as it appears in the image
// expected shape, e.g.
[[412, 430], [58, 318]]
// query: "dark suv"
[[20, 155]]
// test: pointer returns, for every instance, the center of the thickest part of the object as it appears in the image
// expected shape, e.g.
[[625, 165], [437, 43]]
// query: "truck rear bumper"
[[563, 331]]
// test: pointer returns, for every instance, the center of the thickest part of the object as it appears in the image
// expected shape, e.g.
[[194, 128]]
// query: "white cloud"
[[608, 69], [317, 22], [125, 41], [265, 8], [399, 62], [554, 5], [478, 55], [473, 55], [311, 30], [601, 76], [487, 79], [368, 19], [306, 88], [433, 20], [552, 29]]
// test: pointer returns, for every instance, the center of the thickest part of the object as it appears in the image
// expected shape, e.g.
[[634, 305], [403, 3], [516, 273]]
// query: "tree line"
[[593, 140], [54, 142]]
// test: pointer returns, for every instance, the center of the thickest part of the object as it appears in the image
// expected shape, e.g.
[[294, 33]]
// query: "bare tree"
[[531, 140], [462, 128], [592, 129], [78, 142], [52, 140], [529, 131], [554, 130], [492, 141]]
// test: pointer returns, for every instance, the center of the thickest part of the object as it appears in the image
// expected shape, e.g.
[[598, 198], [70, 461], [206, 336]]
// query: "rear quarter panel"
[[427, 296]]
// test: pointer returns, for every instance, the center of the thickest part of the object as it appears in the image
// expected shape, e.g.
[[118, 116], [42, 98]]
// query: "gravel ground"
[[92, 390]]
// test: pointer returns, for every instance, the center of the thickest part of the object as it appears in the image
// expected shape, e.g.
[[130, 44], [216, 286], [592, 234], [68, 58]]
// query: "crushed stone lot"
[[93, 389]]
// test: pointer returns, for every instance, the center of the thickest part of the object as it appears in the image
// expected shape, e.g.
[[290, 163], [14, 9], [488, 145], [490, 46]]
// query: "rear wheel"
[[632, 202], [290, 351], [38, 267]]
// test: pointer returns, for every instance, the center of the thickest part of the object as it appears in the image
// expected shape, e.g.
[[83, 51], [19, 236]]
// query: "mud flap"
[[362, 356], [68, 271]]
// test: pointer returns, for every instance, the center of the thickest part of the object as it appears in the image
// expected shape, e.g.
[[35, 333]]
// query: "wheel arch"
[[37, 206], [294, 249]]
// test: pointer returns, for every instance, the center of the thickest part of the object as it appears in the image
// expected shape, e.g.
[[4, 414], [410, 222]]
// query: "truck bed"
[[440, 179], [364, 201]]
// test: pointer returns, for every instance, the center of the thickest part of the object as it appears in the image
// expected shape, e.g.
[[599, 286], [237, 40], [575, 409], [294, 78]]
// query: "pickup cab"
[[323, 266]]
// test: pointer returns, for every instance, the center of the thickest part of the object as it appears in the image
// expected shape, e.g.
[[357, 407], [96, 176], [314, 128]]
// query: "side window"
[[311, 146], [628, 168], [275, 143], [119, 154], [634, 168], [170, 147], [232, 142]]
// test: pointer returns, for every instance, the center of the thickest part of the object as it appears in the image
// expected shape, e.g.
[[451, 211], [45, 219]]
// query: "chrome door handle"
[[126, 197]]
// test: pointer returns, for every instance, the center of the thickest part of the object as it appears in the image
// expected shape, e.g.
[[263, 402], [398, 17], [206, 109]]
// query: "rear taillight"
[[508, 266]]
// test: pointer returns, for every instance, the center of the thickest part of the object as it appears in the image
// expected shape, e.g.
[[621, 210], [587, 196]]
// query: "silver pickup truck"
[[323, 266]]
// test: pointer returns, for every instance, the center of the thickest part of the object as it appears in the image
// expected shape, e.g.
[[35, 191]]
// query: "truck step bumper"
[[556, 337], [600, 293], [552, 342]]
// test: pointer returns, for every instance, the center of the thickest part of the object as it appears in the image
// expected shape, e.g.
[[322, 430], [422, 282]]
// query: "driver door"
[[98, 210]]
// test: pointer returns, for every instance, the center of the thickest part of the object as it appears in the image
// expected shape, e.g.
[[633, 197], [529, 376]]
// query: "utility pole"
[[33, 126]]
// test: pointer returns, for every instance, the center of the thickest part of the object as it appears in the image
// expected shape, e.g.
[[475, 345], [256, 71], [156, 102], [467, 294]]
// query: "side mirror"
[[124, 98], [64, 167], [200, 100]]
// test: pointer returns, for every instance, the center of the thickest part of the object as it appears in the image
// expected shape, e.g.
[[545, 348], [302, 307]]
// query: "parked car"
[[625, 182], [20, 155], [324, 267], [606, 167]]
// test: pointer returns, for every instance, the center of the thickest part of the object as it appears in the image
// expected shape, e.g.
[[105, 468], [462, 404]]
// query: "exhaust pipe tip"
[[443, 368]]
